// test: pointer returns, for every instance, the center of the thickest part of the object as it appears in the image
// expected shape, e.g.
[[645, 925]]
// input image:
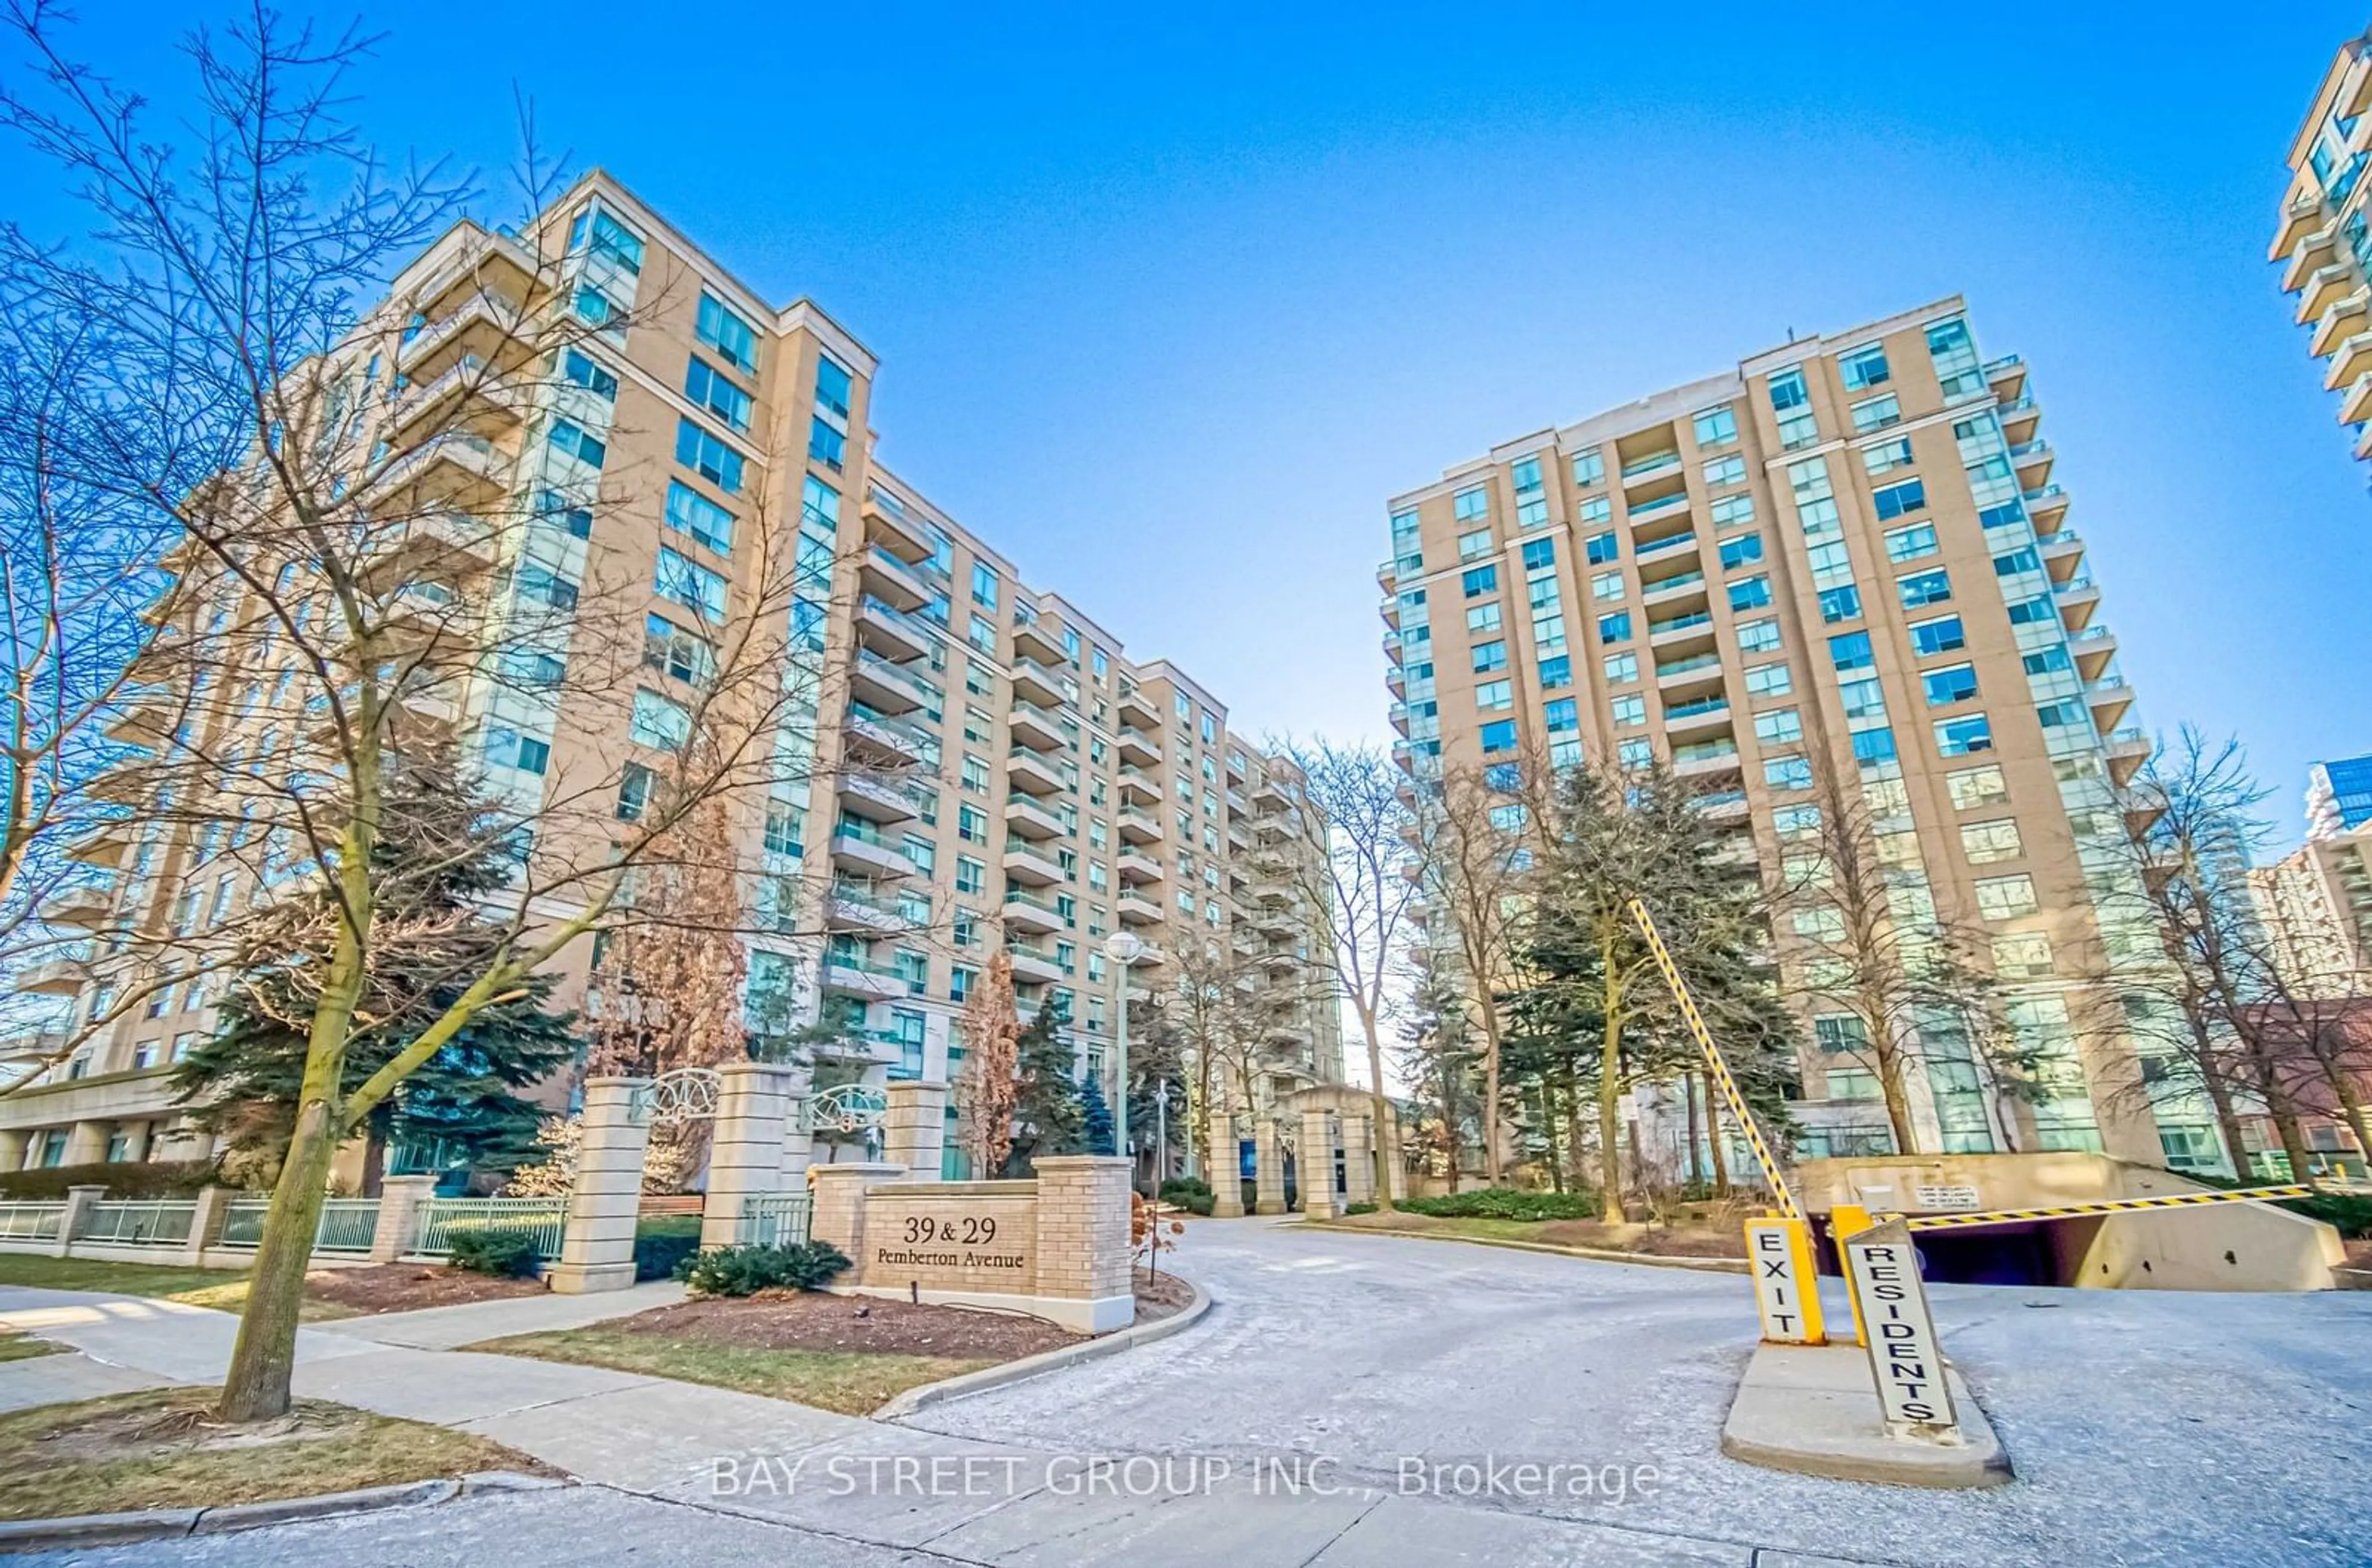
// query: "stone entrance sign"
[[957, 1235]]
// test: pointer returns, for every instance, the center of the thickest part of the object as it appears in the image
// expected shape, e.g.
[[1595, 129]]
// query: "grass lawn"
[[164, 1450], [224, 1289], [23, 1347], [850, 1382]]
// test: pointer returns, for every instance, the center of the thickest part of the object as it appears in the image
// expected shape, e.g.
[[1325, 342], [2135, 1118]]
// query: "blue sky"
[[1234, 275]]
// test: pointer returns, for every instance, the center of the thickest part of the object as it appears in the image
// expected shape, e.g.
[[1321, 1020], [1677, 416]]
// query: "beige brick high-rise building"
[[1846, 554], [984, 764], [2321, 242]]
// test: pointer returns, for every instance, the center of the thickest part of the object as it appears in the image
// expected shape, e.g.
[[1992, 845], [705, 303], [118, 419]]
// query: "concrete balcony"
[[1036, 728], [2079, 598], [2343, 319], [1276, 921], [1139, 747], [1032, 820], [1699, 717], [1396, 680], [1036, 682], [53, 977], [1270, 795], [85, 908], [460, 466], [2093, 649], [1673, 589], [1138, 787], [1135, 909], [892, 580], [1682, 630], [873, 799], [1706, 761], [890, 526], [1033, 966], [1030, 773], [885, 686], [2110, 701], [1652, 466], [2128, 749], [1135, 868], [863, 850], [2020, 417], [1675, 676], [1030, 912], [2357, 405], [843, 975], [1138, 709], [2007, 376], [1726, 805], [2045, 504], [1238, 804], [847, 908], [2316, 249], [2351, 360], [103, 846], [484, 324], [1027, 863], [891, 633], [2032, 459], [2321, 288], [468, 392], [2061, 554], [876, 737], [1139, 826], [1037, 638]]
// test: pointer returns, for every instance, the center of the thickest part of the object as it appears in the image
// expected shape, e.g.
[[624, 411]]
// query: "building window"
[[1779, 727], [509, 748], [1489, 656], [1977, 786], [734, 339], [1953, 683], [708, 455], [1606, 585], [1599, 549], [1885, 456], [2022, 955], [1481, 580], [1743, 551], [972, 874], [1941, 635], [1620, 668], [1841, 604], [1499, 736], [2006, 897], [1768, 680], [1923, 588], [710, 390], [1493, 695], [1714, 426], [1758, 636], [573, 440], [693, 515], [660, 722], [1876, 414], [1614, 628], [686, 582], [1749, 593], [1469, 504], [1787, 772], [1911, 543], [1962, 737], [1483, 618], [1896, 500], [1864, 367], [1588, 469], [1986, 842], [1629, 710], [1730, 469]]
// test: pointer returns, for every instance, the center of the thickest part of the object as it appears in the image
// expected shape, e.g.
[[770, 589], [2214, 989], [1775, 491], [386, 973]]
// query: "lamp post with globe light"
[[1123, 948]]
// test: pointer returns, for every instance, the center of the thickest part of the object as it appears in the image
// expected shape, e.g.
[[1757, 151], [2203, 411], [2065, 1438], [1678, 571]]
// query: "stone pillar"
[[87, 1144], [1083, 1251], [78, 1202], [598, 1252], [1318, 1165], [1268, 1166], [799, 1130], [1358, 1160], [13, 1144], [744, 1146], [399, 1198], [1226, 1167], [135, 1142], [914, 1129], [838, 1216], [206, 1223]]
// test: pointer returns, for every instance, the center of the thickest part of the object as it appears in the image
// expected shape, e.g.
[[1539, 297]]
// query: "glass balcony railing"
[[1663, 505], [1672, 584], [1670, 542], [1704, 752], [1679, 622], [1683, 667], [895, 616], [1697, 709], [913, 737], [1651, 465]]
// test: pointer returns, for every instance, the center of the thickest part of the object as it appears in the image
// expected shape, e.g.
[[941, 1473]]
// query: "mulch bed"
[[1160, 1295], [407, 1287], [1655, 1242], [813, 1321]]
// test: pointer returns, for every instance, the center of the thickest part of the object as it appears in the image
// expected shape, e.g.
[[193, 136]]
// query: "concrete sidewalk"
[[448, 1327]]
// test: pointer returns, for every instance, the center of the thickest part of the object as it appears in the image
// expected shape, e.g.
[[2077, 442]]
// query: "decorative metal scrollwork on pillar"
[[688, 1094], [850, 1108]]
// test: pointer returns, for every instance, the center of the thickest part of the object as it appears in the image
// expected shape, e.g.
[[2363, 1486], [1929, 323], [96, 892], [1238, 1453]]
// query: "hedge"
[[122, 1178], [1504, 1203]]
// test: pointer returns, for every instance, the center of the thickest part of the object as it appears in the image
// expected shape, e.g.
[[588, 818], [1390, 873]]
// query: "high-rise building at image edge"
[[2322, 242], [991, 768], [1848, 554]]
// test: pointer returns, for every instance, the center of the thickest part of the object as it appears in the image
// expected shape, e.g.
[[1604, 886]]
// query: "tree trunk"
[[1548, 1128], [2293, 1144], [1875, 1021], [1609, 1120], [1572, 1126], [2228, 1123], [374, 1159], [1386, 1140], [1689, 1091], [1491, 1171], [1448, 1084], [256, 1385], [1714, 1141], [2350, 1105]]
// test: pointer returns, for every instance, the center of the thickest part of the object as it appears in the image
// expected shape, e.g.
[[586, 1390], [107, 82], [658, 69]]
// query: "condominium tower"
[[1846, 554], [2323, 241], [985, 764]]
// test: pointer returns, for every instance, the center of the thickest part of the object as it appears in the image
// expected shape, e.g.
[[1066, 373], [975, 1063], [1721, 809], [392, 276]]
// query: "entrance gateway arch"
[[1323, 1137]]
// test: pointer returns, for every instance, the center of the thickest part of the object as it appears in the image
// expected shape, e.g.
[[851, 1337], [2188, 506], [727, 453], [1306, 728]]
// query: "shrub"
[[1359, 1208], [506, 1254], [1191, 1193], [746, 1271], [661, 1244], [2349, 1212], [1506, 1203], [127, 1179]]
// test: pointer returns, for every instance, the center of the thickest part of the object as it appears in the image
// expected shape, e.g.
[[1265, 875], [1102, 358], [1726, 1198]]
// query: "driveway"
[[1357, 1400]]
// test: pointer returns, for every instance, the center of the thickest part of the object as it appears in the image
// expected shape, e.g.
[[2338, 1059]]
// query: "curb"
[[1589, 1254], [987, 1378], [156, 1524]]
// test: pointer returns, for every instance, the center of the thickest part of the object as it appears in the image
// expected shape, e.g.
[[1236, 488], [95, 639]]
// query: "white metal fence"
[[545, 1219], [347, 1224], [25, 1220], [774, 1219], [139, 1221]]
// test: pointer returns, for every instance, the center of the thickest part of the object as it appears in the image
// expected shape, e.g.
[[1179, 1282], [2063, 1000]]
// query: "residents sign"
[[1779, 1255], [1882, 1266]]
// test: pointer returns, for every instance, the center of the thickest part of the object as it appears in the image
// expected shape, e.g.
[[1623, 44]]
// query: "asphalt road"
[[2146, 1428]]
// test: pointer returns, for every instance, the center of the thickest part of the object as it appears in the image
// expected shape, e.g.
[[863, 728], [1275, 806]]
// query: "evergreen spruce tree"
[[438, 852], [1047, 1116], [1097, 1135]]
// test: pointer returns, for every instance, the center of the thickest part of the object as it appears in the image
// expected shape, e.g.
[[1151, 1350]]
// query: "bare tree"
[[1355, 879], [1868, 945], [358, 559], [988, 1086]]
